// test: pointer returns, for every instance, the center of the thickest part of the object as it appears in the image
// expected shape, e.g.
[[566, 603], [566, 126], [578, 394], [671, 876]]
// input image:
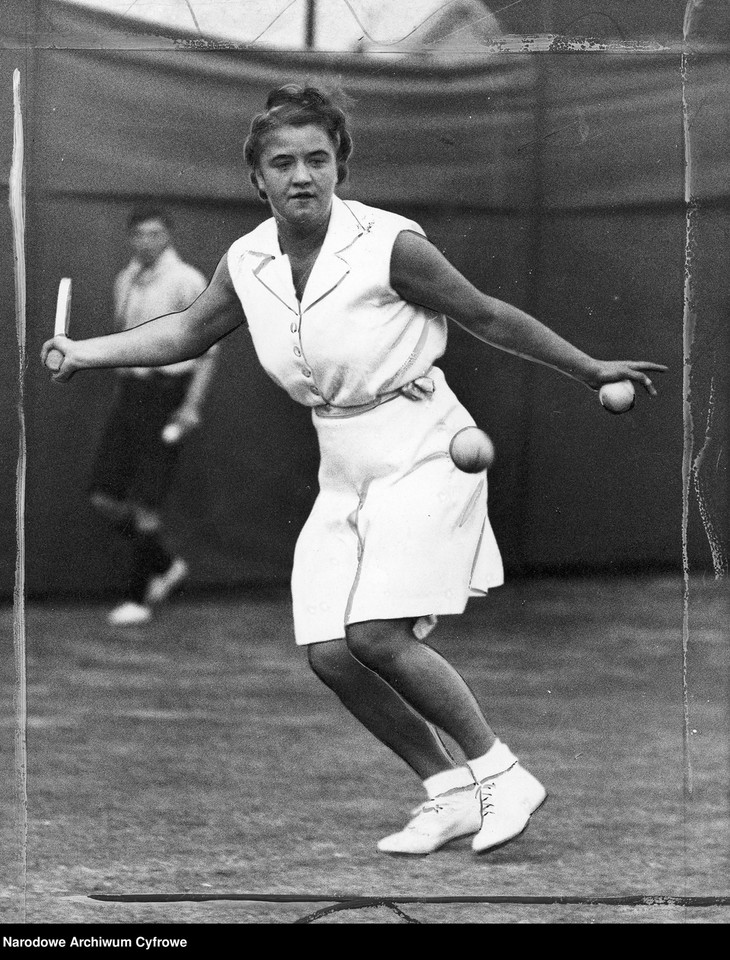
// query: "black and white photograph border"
[[189, 769]]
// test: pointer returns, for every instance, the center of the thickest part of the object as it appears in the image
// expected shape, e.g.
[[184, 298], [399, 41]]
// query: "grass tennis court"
[[199, 756]]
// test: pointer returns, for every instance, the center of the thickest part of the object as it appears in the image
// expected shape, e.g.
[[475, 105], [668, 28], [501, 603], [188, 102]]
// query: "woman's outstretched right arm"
[[160, 341]]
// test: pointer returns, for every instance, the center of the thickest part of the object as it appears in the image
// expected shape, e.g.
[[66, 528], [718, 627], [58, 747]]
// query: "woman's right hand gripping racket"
[[54, 358]]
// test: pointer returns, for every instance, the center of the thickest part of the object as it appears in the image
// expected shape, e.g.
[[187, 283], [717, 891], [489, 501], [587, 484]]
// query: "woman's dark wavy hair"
[[298, 106]]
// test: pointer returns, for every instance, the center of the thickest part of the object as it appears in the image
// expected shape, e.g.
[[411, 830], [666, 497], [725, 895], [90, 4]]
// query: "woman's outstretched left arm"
[[421, 274]]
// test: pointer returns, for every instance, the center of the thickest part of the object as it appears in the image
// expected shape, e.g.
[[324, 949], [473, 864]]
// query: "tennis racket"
[[63, 318]]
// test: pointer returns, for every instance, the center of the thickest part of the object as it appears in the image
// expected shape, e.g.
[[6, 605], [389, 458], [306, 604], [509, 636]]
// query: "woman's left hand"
[[612, 371]]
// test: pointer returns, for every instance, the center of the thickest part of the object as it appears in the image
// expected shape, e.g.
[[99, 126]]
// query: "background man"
[[154, 409]]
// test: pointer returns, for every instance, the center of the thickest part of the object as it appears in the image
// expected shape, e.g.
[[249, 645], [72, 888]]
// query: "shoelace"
[[484, 790], [437, 804], [430, 806]]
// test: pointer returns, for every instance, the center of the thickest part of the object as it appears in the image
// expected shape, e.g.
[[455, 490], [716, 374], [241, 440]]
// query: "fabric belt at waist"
[[419, 389]]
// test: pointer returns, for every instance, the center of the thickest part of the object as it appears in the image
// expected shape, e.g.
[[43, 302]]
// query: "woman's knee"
[[327, 659], [376, 643]]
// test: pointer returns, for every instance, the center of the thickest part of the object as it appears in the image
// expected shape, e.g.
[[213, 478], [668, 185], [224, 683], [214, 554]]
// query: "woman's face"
[[297, 170]]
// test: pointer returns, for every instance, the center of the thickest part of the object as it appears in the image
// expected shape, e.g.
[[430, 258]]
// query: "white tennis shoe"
[[507, 802], [129, 614], [453, 814]]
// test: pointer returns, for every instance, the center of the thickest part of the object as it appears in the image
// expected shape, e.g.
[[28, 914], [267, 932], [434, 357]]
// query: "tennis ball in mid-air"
[[471, 450], [617, 397]]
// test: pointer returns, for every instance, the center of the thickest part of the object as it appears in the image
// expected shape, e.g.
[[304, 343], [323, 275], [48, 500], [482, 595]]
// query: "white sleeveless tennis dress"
[[396, 530]]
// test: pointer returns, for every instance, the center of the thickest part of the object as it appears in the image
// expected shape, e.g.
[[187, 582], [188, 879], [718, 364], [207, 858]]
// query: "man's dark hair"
[[149, 210]]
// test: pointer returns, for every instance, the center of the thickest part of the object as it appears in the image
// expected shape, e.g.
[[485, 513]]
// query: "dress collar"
[[343, 229], [330, 267]]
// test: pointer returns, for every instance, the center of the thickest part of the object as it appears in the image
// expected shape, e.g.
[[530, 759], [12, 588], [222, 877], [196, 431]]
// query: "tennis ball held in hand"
[[617, 397], [471, 450]]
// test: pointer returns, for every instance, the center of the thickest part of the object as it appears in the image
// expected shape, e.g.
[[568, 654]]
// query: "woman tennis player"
[[347, 306]]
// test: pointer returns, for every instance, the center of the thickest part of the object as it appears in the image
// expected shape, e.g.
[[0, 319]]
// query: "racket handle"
[[54, 360]]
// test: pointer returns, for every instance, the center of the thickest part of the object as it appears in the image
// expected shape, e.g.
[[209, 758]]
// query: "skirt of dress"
[[397, 531]]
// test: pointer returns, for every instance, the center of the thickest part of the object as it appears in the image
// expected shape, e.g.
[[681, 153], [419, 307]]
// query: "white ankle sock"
[[496, 760], [448, 780]]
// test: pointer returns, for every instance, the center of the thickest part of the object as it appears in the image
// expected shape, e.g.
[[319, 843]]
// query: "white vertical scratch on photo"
[[16, 199]]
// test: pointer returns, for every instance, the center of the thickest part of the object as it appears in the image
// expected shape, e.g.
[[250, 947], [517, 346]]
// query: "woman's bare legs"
[[424, 679], [500, 809], [380, 709]]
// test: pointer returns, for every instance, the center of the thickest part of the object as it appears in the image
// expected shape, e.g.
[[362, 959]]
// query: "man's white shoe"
[[453, 814], [129, 614], [508, 799], [160, 587]]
